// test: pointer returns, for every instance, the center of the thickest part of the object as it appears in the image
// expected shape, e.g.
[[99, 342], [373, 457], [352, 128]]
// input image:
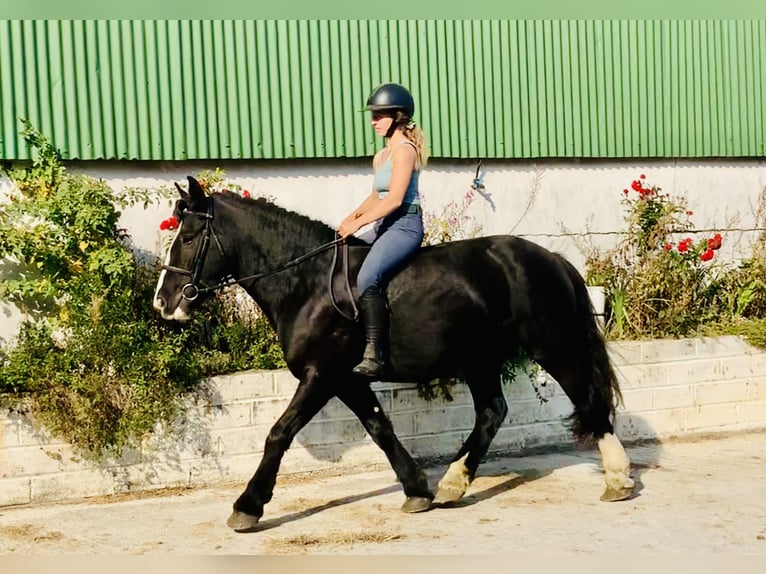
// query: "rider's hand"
[[347, 228]]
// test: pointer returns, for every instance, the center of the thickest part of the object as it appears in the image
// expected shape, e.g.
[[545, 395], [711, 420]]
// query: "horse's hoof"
[[241, 522], [615, 494], [448, 496], [416, 504]]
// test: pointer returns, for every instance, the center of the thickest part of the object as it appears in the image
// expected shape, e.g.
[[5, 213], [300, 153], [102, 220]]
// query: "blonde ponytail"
[[413, 133]]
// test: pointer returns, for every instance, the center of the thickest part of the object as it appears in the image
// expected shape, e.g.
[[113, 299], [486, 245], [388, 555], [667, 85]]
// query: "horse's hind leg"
[[364, 404], [619, 485], [591, 393], [491, 409]]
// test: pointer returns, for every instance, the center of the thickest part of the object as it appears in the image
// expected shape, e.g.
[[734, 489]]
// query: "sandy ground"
[[694, 497]]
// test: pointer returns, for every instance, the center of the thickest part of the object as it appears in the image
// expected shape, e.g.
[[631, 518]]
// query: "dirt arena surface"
[[705, 496]]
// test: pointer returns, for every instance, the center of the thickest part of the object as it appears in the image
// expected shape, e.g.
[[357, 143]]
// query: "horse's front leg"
[[312, 394], [365, 405]]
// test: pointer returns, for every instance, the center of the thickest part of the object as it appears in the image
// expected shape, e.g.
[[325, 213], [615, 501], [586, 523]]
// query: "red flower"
[[636, 185], [642, 176], [245, 193], [668, 246], [169, 223], [684, 244], [689, 213], [715, 242], [707, 255]]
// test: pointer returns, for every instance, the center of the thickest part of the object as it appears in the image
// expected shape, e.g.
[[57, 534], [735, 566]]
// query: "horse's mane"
[[310, 228]]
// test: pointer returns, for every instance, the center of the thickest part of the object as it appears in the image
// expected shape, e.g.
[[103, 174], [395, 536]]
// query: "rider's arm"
[[368, 202]]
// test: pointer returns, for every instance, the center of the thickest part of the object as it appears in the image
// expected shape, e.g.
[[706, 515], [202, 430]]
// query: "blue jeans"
[[395, 239]]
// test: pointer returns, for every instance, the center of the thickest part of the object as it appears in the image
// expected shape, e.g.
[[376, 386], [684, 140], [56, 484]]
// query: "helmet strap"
[[397, 118]]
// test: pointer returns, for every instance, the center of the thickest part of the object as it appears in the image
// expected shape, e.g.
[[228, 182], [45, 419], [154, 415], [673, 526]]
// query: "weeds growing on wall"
[[92, 361], [453, 222]]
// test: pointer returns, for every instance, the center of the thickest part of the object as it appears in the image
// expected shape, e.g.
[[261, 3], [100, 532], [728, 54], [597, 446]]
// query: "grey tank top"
[[382, 179]]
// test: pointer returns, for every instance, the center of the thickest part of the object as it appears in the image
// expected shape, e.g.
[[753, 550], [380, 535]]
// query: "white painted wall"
[[563, 205]]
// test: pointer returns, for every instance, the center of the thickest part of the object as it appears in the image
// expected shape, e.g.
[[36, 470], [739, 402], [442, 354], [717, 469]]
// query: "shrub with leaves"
[[92, 361], [656, 285]]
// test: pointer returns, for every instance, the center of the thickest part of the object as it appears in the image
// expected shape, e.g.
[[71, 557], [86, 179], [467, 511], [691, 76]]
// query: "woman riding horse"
[[394, 206]]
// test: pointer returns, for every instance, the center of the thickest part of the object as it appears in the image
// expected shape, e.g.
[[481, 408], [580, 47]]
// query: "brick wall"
[[671, 389]]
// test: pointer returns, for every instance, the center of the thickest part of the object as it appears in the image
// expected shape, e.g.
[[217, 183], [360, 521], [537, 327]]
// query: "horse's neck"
[[270, 239]]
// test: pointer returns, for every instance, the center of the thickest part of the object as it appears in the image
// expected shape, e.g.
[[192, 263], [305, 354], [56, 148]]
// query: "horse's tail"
[[594, 416]]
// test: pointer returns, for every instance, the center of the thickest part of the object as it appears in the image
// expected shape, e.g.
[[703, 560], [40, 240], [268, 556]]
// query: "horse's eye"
[[187, 240]]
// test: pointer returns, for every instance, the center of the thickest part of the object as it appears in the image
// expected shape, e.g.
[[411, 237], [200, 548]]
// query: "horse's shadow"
[[468, 500], [647, 455], [279, 521], [475, 496]]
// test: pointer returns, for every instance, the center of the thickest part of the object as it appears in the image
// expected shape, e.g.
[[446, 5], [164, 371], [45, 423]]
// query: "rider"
[[394, 206]]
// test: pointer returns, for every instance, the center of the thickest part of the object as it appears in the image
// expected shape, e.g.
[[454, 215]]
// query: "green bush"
[[92, 361]]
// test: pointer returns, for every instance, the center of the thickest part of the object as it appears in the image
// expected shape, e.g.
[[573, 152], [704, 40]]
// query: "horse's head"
[[195, 261]]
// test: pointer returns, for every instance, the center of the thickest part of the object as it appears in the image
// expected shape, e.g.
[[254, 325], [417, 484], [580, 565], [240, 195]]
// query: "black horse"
[[461, 307]]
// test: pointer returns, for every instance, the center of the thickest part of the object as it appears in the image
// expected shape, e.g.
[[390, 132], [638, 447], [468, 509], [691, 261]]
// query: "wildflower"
[[707, 255], [245, 193], [714, 242], [690, 213], [642, 176], [668, 246]]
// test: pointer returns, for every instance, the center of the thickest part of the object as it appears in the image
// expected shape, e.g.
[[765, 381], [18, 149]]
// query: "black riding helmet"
[[392, 97]]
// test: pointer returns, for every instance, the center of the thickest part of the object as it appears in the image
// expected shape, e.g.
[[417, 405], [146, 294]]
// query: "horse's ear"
[[181, 190], [196, 193]]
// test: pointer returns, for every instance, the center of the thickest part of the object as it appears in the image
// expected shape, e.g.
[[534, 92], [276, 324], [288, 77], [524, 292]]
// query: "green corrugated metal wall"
[[171, 90]]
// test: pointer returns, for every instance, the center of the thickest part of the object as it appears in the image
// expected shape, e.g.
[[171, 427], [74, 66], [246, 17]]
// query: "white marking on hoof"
[[457, 479], [616, 463]]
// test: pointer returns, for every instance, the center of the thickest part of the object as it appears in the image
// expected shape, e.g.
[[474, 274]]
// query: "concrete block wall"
[[671, 388], [683, 387]]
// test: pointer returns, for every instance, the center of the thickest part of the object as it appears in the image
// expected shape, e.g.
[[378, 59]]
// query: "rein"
[[291, 263], [191, 290]]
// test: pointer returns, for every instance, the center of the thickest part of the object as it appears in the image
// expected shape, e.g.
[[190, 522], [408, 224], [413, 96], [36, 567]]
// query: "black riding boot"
[[372, 307]]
